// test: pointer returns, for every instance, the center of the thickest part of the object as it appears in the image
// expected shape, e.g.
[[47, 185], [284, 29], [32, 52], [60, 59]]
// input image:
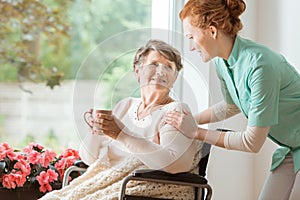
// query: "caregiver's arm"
[[217, 112], [187, 124], [250, 140]]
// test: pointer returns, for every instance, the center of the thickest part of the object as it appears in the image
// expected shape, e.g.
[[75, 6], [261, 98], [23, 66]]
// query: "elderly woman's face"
[[157, 71]]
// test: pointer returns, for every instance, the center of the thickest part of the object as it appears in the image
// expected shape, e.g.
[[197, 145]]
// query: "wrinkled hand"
[[108, 125], [183, 121]]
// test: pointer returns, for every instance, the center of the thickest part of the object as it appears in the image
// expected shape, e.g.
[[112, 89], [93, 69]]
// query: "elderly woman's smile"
[[157, 70]]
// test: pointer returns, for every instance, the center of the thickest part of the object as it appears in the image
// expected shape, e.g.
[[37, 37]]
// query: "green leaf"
[[54, 80], [2, 167]]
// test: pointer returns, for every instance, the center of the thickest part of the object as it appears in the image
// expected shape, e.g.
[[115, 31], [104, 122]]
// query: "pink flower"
[[67, 159], [69, 153], [47, 157], [34, 157], [33, 152], [32, 147], [13, 179], [19, 178], [7, 151], [63, 164], [52, 175], [45, 187], [23, 166], [45, 178], [8, 181], [61, 167]]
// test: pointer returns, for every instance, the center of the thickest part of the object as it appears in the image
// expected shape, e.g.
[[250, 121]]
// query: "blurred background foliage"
[[24, 26], [46, 41]]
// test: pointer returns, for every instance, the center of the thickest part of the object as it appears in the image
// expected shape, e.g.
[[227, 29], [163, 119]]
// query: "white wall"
[[279, 27]]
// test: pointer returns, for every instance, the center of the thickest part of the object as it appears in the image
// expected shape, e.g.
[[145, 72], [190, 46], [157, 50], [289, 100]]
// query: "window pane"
[[34, 112]]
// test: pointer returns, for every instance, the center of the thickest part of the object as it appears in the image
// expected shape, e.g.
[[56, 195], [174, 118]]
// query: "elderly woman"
[[136, 137]]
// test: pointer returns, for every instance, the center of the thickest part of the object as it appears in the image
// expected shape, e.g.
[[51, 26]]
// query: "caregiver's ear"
[[213, 31]]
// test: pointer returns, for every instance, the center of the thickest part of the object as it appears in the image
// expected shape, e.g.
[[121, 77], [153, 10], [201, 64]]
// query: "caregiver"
[[256, 81]]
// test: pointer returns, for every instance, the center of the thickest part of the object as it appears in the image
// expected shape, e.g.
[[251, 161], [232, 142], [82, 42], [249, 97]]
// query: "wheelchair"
[[198, 181], [201, 186]]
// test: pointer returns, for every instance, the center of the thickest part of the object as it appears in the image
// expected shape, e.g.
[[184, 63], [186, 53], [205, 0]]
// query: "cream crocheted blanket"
[[103, 182]]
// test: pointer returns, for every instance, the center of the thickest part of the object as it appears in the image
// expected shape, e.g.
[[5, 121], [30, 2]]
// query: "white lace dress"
[[147, 143]]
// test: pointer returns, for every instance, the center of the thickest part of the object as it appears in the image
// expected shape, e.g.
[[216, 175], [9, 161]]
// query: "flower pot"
[[36, 167], [27, 192], [23, 193]]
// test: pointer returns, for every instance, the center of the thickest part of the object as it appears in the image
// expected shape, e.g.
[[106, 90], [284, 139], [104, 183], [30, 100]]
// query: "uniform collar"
[[233, 57]]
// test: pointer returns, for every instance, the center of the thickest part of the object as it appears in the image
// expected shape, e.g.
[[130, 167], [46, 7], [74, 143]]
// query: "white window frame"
[[192, 84]]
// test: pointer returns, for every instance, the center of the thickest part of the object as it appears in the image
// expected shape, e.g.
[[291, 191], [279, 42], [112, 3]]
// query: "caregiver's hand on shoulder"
[[183, 121]]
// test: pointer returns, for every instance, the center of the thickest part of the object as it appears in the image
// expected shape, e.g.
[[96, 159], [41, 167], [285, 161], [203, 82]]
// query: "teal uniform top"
[[266, 88]]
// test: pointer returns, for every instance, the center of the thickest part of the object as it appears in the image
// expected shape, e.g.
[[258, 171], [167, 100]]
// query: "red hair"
[[223, 14]]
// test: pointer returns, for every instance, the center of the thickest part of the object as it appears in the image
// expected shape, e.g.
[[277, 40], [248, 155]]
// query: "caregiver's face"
[[201, 40]]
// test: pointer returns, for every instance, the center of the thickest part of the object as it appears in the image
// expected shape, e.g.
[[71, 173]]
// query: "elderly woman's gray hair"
[[166, 50]]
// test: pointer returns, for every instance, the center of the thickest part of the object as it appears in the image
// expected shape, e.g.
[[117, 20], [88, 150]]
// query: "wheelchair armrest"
[[80, 164], [223, 129], [162, 175], [184, 178]]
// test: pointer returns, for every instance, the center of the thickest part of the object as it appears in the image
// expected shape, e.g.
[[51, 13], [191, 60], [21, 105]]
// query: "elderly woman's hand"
[[108, 125]]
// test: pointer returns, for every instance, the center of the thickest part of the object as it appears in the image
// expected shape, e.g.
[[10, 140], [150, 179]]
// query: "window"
[[96, 60]]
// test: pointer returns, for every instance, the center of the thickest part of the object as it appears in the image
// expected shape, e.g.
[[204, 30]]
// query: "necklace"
[[143, 112]]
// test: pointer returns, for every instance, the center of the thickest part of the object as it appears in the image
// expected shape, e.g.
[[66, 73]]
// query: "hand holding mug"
[[108, 125], [90, 116], [103, 122]]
